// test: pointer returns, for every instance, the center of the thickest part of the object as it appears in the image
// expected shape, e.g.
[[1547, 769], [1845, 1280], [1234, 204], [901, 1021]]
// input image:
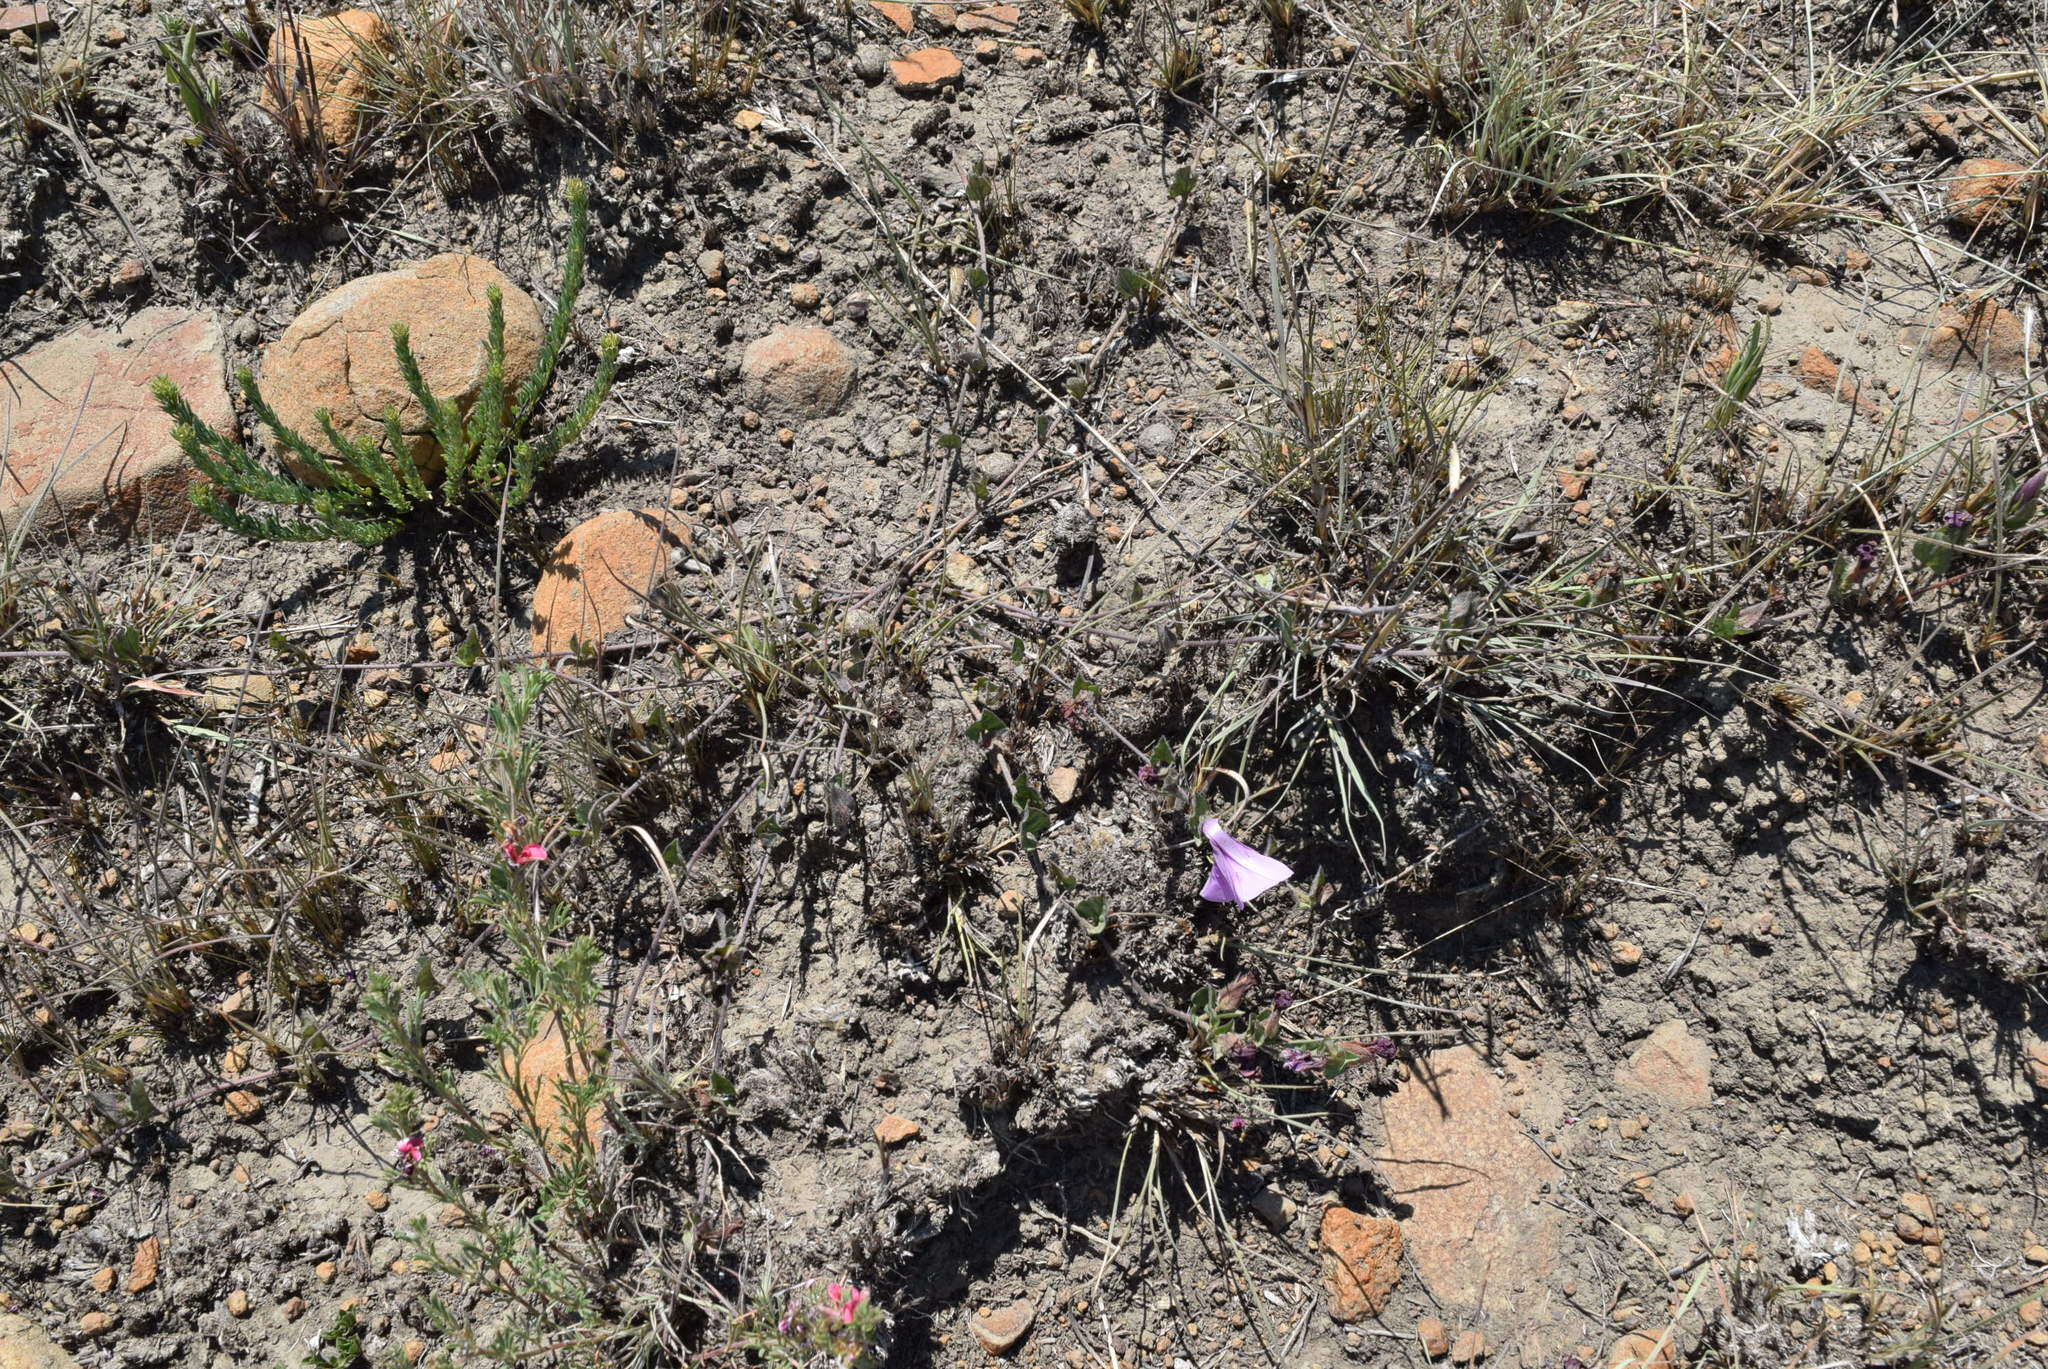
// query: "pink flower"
[[410, 1152], [843, 1300], [1240, 873], [525, 854]]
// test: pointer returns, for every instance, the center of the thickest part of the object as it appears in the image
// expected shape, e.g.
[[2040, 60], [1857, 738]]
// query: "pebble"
[[999, 1329], [238, 1303], [244, 1106], [95, 1324], [1274, 1208], [1435, 1337], [1626, 955], [142, 1273], [378, 1199], [2037, 1065], [925, 72], [871, 63], [1469, 1349], [894, 1130]]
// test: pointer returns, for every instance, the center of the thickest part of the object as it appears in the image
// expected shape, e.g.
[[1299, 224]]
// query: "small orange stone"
[[142, 1274], [894, 1130], [925, 72]]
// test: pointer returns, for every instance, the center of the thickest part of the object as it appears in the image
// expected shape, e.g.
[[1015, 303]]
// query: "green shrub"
[[364, 491]]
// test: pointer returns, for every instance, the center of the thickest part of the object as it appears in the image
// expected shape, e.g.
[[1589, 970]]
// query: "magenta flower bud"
[[2031, 486]]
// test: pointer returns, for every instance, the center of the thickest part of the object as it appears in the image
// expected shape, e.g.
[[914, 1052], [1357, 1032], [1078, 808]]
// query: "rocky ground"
[[1564, 480]]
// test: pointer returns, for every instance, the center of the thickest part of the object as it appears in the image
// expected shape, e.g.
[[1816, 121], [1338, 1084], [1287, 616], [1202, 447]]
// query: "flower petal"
[[1240, 873]]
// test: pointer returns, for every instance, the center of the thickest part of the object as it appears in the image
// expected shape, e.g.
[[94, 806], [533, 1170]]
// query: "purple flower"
[[1866, 554], [1300, 1061], [1380, 1048], [1283, 1000], [1958, 518], [1245, 1056], [1240, 873], [2031, 486], [1238, 1124], [1148, 773]]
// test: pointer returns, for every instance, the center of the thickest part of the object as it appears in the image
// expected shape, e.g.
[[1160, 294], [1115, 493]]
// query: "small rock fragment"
[[894, 1130], [1435, 1337], [1672, 1065], [541, 1066], [325, 67], [901, 15], [1470, 1348], [244, 1106], [999, 1329], [799, 372], [2037, 1065], [925, 72], [1274, 1208], [1641, 1350], [93, 1325], [1975, 333], [1983, 190], [32, 21], [142, 1272], [1574, 313], [996, 19], [600, 575], [1361, 1262], [1063, 783], [238, 1303]]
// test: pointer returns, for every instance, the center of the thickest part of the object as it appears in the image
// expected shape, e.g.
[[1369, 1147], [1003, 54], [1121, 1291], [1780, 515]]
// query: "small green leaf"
[[986, 726]]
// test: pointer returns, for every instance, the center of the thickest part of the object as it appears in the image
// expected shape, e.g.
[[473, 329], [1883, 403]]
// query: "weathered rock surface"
[[1479, 1231], [1000, 1328], [24, 1345], [81, 438], [1673, 1066], [325, 65], [925, 72], [1975, 334], [541, 1066], [1361, 1262], [601, 574], [1640, 1350], [337, 353], [797, 372], [1983, 190]]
